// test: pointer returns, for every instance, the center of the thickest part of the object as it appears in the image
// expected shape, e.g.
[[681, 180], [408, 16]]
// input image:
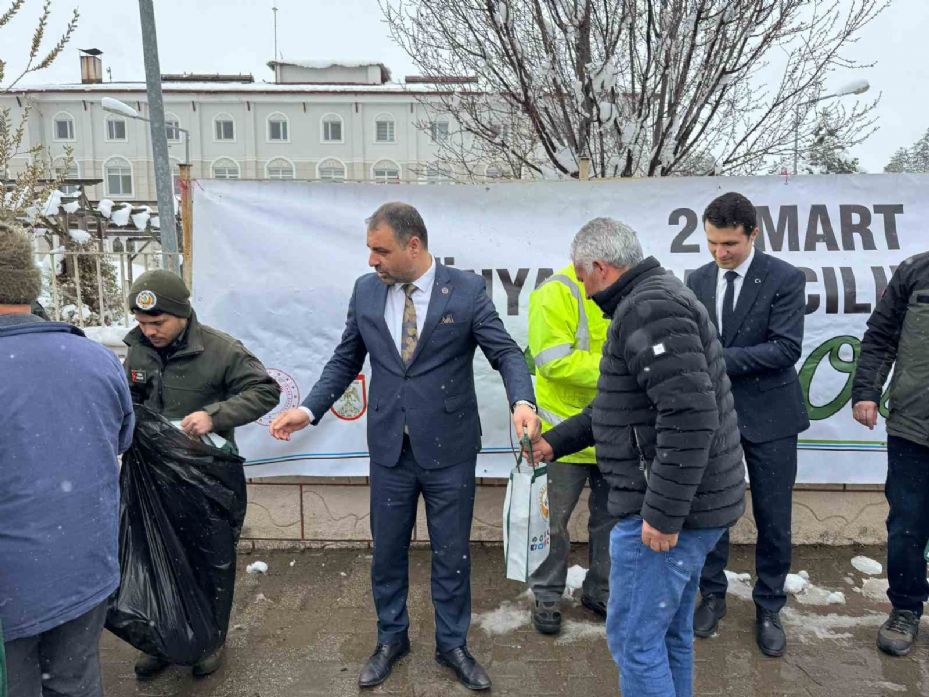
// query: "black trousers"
[[772, 471], [907, 492], [448, 494]]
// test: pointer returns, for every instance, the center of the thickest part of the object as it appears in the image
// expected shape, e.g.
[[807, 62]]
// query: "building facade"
[[316, 121]]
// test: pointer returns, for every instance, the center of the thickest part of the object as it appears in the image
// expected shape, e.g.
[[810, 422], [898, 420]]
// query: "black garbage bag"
[[181, 512]]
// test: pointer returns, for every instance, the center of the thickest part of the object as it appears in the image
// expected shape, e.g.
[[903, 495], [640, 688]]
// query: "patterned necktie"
[[408, 333]]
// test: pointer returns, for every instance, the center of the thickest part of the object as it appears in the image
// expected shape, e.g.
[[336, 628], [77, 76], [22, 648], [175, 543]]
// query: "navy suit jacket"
[[762, 345], [434, 396]]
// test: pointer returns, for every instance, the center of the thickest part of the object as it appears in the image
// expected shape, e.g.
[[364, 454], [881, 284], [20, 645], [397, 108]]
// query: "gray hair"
[[606, 239], [403, 219]]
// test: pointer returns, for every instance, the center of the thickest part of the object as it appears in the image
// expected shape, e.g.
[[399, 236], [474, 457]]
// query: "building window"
[[118, 174], [64, 127], [280, 169], [224, 128], [439, 131], [332, 129], [386, 172], [277, 128], [64, 172], [331, 171], [173, 128], [225, 169], [434, 175], [115, 129], [384, 131]]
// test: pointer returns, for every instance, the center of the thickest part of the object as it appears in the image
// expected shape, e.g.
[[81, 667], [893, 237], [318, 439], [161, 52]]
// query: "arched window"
[[173, 128], [278, 128], [384, 129], [386, 172], [224, 168], [223, 128], [280, 169], [63, 125], [117, 171], [331, 170], [332, 129]]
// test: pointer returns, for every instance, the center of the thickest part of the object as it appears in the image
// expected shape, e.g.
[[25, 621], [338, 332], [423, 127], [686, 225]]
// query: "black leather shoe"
[[469, 672], [147, 667], [598, 607], [545, 617], [382, 662], [770, 634], [709, 612]]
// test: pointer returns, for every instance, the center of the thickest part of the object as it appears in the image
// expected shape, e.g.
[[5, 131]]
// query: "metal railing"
[[90, 287]]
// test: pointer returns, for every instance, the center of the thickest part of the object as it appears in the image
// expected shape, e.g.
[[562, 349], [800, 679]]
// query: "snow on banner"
[[275, 263]]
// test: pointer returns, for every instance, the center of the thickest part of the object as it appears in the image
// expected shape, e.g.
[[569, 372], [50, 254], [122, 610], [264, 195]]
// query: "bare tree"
[[37, 179], [640, 87]]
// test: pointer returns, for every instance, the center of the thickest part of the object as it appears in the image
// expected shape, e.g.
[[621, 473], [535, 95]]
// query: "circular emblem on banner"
[[543, 501], [146, 300], [354, 401], [290, 395]]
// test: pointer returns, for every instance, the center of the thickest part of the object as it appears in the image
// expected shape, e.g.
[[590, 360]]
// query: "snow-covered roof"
[[233, 88], [324, 63]]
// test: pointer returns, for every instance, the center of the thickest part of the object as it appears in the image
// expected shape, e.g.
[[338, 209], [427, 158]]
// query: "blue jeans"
[[649, 622]]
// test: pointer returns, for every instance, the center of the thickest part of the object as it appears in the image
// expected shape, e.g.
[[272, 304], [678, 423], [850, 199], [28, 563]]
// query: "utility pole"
[[163, 185]]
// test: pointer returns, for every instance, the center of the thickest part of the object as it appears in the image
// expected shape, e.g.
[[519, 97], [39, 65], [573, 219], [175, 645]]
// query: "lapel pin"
[[444, 290], [757, 280]]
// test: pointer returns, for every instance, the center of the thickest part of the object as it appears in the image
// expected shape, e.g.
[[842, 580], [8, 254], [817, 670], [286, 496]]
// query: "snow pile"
[[140, 219], [258, 567], [868, 566], [811, 626], [79, 236], [807, 593], [72, 207], [505, 619], [874, 589], [52, 204], [331, 63], [121, 217], [796, 583], [574, 580], [105, 207], [108, 336]]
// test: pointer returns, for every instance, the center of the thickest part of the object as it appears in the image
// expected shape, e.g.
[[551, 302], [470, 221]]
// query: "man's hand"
[[657, 540], [289, 422], [197, 424], [541, 451], [865, 413], [526, 421]]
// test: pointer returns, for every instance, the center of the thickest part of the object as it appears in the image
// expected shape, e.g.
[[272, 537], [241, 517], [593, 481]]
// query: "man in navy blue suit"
[[420, 322], [757, 303]]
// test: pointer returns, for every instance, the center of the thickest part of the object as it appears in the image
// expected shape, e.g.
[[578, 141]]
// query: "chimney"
[[91, 66]]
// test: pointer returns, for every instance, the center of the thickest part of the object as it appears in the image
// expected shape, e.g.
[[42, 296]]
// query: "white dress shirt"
[[393, 309], [741, 269], [396, 300]]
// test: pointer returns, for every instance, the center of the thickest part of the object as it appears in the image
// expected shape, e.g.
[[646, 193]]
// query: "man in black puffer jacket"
[[667, 441]]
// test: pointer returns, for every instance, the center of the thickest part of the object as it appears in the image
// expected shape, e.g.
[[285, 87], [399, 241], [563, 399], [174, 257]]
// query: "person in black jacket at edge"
[[898, 337], [664, 426]]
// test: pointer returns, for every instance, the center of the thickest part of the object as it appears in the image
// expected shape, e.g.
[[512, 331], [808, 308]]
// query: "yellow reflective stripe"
[[582, 335], [553, 353]]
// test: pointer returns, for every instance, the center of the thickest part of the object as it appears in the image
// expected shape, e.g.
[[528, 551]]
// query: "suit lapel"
[[380, 306], [707, 292], [441, 292], [751, 286]]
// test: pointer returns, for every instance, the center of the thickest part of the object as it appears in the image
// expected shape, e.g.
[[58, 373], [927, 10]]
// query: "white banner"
[[275, 263]]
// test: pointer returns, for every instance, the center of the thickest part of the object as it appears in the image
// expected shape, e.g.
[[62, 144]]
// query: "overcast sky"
[[232, 36]]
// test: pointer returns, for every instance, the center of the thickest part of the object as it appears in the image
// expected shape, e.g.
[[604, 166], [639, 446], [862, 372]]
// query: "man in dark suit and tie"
[[420, 322], [757, 303]]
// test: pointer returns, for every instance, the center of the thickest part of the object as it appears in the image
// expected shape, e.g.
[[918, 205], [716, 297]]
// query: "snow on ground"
[[874, 589], [740, 585], [866, 565], [808, 625], [257, 567], [505, 619], [572, 631], [108, 336]]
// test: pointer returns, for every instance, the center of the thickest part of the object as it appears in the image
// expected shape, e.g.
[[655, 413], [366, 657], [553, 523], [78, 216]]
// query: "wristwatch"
[[535, 409]]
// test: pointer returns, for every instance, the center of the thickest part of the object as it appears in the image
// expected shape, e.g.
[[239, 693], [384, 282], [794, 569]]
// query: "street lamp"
[[114, 106], [853, 87]]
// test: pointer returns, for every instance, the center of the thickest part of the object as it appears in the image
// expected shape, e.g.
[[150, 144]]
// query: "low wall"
[[309, 511]]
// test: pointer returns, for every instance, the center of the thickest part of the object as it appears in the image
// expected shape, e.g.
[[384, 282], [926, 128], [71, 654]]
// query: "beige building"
[[317, 120]]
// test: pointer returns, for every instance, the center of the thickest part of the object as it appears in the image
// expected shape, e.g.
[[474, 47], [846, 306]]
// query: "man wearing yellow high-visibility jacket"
[[566, 335]]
